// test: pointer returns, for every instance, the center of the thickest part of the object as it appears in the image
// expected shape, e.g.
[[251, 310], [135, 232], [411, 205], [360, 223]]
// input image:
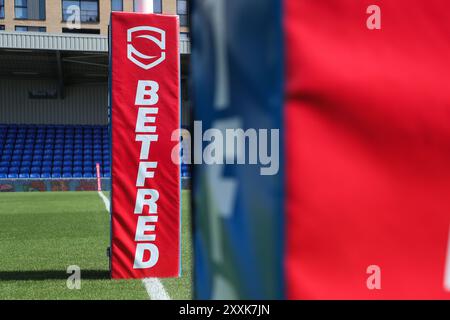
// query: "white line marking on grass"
[[153, 286], [105, 200], [155, 289]]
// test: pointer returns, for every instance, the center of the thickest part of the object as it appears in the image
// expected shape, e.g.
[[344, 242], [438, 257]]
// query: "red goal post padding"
[[145, 110]]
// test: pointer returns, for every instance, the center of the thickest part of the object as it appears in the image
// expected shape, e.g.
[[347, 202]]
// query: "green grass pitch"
[[41, 234]]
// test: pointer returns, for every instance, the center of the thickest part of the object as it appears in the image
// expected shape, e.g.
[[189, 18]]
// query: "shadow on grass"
[[51, 275]]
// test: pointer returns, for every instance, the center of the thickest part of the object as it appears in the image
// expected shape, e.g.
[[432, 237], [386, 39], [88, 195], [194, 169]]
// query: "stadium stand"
[[56, 151], [53, 151]]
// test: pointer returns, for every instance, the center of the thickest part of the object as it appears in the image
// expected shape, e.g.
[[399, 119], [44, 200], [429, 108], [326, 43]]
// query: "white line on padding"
[[447, 266], [153, 286]]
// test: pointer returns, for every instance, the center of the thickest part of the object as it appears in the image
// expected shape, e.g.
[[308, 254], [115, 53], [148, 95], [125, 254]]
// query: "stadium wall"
[[82, 104], [32, 185]]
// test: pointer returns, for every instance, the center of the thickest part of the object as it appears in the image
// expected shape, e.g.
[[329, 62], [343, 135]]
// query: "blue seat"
[[88, 175], [56, 175], [45, 175], [24, 175], [13, 170], [35, 169], [35, 175], [48, 157], [77, 175], [27, 157], [46, 169], [3, 176], [57, 163], [38, 151], [77, 169], [26, 163], [13, 175], [4, 170], [37, 157], [67, 169], [15, 163], [47, 163], [67, 175], [58, 157]]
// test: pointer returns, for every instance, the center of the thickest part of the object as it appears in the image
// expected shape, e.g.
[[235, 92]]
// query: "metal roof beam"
[[60, 75]]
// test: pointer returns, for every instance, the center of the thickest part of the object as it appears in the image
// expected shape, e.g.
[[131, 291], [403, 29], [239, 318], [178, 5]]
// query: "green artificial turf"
[[41, 234], [181, 288]]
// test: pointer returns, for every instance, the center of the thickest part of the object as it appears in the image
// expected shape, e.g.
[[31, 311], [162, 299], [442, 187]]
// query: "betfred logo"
[[155, 35], [145, 133]]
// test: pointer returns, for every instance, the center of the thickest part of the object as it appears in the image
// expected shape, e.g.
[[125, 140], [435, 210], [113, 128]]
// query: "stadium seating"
[[53, 151]]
